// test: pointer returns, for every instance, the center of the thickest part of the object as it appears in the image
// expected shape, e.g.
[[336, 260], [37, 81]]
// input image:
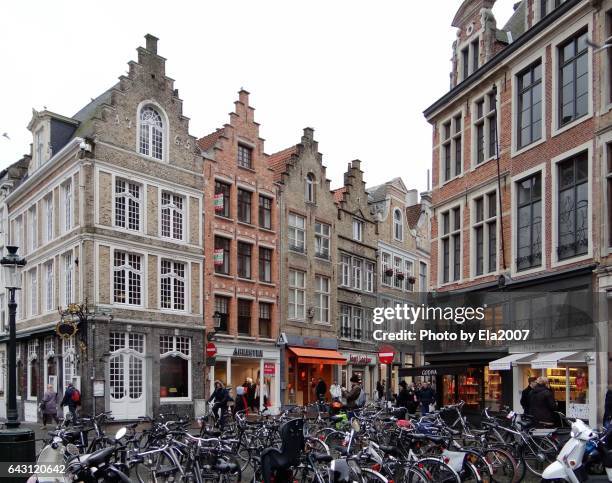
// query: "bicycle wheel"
[[469, 473], [437, 470], [336, 443], [373, 476], [503, 465], [538, 454], [482, 465]]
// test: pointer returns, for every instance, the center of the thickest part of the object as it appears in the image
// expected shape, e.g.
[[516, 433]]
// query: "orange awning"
[[318, 356]]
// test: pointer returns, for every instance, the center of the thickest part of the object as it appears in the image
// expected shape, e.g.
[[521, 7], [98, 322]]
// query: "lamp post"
[[16, 444]]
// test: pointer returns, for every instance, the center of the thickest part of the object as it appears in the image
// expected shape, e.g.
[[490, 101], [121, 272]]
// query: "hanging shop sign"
[[269, 368], [218, 256], [218, 202], [66, 328]]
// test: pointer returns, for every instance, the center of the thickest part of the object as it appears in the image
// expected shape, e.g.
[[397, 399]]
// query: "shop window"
[[492, 389], [572, 208], [174, 367], [470, 388], [222, 199], [244, 317], [265, 212], [222, 255], [222, 309], [244, 206], [265, 320]]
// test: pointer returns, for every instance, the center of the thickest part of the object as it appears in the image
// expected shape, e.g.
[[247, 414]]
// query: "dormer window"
[[469, 59], [151, 133], [309, 194]]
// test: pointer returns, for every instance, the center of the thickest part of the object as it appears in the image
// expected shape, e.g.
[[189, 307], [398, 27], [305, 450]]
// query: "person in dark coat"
[[607, 417], [68, 400], [221, 398], [426, 397], [48, 406], [352, 395], [526, 393], [321, 390], [380, 390], [542, 404], [412, 404], [403, 396]]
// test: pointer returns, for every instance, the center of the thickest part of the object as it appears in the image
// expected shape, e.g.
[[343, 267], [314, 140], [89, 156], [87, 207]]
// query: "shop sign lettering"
[[244, 352], [269, 368], [429, 372], [311, 342], [360, 359]]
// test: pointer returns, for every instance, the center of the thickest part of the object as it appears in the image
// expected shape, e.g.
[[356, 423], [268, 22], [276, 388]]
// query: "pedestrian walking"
[[380, 390], [426, 397], [48, 406], [72, 400]]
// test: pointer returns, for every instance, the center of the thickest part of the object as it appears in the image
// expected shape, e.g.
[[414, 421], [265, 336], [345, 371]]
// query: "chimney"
[[151, 43]]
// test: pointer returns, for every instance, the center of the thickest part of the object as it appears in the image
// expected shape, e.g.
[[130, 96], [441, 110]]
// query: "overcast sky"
[[359, 72]]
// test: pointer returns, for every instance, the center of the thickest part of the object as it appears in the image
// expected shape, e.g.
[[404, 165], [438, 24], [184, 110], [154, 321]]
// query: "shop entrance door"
[[127, 376]]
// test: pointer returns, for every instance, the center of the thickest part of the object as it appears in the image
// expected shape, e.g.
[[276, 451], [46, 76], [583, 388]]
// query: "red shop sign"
[[269, 368]]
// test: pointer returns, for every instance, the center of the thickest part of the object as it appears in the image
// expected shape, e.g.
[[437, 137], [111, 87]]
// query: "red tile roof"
[[413, 213], [339, 194], [278, 161], [210, 140]]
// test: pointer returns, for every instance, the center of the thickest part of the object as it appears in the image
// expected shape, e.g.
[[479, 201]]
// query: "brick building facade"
[[517, 171]]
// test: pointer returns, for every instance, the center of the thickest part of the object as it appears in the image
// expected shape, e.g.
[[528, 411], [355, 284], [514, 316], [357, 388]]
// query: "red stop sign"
[[386, 353], [211, 349]]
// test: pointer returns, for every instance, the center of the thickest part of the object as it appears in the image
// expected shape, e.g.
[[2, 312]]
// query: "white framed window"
[[450, 241], [423, 277], [68, 360], [33, 369], [529, 105], [172, 215], [127, 204], [398, 281], [451, 148], [297, 233], [67, 206], [322, 299], [127, 278], [398, 225], [387, 269], [357, 229], [3, 324], [528, 232], [32, 229], [309, 194], [345, 321], [48, 217], [68, 296], [408, 272], [33, 276], [322, 238], [484, 233], [175, 367], [297, 294], [573, 93], [369, 278], [39, 146], [357, 264], [172, 286], [469, 59], [3, 373], [49, 299], [484, 131], [18, 232], [345, 271], [151, 133], [357, 316]]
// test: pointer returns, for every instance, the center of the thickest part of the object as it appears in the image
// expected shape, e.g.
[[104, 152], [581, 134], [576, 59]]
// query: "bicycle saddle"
[[292, 446]]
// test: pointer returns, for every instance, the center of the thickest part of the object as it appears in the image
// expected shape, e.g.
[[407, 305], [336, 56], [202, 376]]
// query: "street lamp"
[[18, 444], [216, 324], [12, 264]]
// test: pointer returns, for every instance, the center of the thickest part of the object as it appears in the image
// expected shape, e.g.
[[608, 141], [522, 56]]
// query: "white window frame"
[[451, 141], [369, 276], [69, 363], [322, 240], [468, 44], [423, 287], [32, 229], [67, 293], [173, 277], [386, 262], [176, 215], [297, 288], [566, 34], [346, 321], [127, 196], [322, 299], [452, 231], [48, 230], [490, 115], [296, 233], [32, 359], [39, 146], [408, 272], [310, 188], [485, 223], [398, 267], [17, 236], [33, 292], [539, 55], [49, 286], [345, 270], [588, 147], [177, 352], [164, 130], [356, 322], [358, 228], [542, 169], [357, 273], [398, 225], [128, 268], [67, 206]]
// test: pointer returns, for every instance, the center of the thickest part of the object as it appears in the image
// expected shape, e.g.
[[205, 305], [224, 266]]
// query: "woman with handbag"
[[48, 406]]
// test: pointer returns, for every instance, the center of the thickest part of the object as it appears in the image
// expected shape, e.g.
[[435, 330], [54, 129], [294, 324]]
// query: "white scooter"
[[569, 464]]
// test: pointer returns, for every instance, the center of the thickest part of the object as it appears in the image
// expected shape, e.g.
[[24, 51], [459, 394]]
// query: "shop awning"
[[318, 356], [505, 363], [549, 360]]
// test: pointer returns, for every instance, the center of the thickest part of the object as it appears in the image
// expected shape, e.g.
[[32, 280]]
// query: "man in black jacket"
[[607, 417], [221, 397], [426, 397], [542, 404], [526, 393]]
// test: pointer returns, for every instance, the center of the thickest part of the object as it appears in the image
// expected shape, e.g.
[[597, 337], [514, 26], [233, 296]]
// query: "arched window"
[[398, 225], [151, 133], [310, 188]]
